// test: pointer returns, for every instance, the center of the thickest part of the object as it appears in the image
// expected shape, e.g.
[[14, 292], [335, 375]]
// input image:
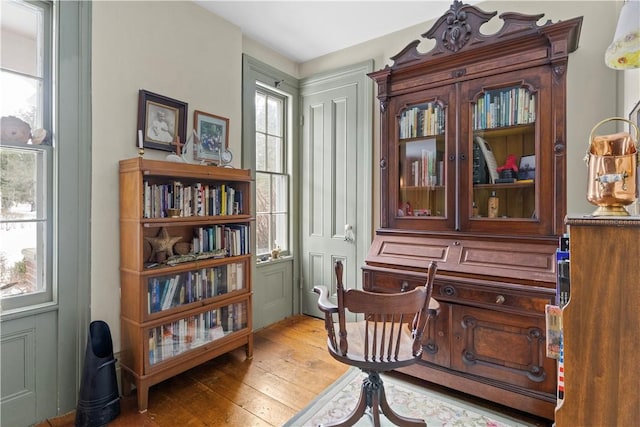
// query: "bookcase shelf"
[[180, 308]]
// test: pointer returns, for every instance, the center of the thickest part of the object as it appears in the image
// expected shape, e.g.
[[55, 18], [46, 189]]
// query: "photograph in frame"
[[213, 136], [161, 120]]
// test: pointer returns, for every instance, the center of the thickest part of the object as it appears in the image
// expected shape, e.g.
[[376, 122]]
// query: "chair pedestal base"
[[372, 396]]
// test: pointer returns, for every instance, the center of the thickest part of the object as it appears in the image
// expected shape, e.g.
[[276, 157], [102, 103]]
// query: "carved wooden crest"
[[459, 29]]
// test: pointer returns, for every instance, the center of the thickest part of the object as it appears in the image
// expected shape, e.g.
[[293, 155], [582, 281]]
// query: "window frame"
[[46, 261], [283, 162]]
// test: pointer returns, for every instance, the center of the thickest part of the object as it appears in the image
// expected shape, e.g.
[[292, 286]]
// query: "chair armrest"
[[323, 301]]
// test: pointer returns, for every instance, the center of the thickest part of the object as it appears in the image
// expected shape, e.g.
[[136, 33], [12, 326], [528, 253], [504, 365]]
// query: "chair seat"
[[357, 356]]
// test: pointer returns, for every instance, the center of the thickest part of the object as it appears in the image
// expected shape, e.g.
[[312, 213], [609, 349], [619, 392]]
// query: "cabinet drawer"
[[491, 297], [376, 281], [481, 294]]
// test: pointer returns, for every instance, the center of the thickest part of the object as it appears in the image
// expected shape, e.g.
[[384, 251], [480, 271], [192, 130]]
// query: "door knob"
[[348, 233]]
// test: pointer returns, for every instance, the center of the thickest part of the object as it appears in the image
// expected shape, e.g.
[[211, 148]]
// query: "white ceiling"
[[306, 29]]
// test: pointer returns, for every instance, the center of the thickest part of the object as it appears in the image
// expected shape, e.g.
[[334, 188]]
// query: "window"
[[272, 179], [26, 153]]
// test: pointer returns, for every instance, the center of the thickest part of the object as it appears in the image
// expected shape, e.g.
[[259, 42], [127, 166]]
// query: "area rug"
[[409, 400]]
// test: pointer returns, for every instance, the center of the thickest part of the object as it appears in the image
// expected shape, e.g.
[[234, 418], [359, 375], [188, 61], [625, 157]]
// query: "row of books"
[[165, 292], [234, 239], [192, 199], [504, 107], [427, 171], [422, 120], [180, 336]]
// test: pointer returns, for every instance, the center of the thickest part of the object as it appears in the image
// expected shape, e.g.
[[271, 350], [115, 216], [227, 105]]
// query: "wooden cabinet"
[[600, 324], [185, 275], [478, 117]]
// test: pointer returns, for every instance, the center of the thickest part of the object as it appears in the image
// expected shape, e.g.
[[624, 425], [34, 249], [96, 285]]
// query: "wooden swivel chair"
[[389, 337]]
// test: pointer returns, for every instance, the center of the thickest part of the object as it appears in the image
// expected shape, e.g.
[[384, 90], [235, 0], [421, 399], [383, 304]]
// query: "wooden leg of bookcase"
[[143, 397], [249, 347]]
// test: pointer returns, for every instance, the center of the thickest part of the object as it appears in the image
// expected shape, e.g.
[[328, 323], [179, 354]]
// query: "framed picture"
[[161, 120], [527, 167], [213, 133]]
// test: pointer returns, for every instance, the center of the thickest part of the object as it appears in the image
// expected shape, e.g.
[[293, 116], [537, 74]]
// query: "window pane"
[[22, 31], [22, 221], [280, 196], [263, 192], [274, 116], [21, 262], [22, 98], [20, 192], [261, 152], [275, 157], [262, 234], [280, 231], [261, 111]]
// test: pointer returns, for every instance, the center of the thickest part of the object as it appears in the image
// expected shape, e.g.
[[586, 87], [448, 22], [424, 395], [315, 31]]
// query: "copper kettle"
[[612, 170]]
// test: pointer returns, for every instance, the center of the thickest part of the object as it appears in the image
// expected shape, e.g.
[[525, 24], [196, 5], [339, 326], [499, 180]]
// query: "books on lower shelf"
[[179, 336], [169, 291]]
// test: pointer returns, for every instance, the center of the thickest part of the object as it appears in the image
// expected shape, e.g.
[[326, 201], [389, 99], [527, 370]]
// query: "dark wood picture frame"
[[161, 119], [213, 135]]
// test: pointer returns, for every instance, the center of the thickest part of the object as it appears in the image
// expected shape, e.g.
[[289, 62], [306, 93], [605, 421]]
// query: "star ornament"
[[162, 243]]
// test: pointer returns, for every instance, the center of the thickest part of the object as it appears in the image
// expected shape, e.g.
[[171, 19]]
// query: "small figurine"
[[408, 209]]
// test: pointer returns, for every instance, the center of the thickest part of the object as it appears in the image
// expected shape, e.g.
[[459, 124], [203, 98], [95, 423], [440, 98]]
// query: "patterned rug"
[[409, 400]]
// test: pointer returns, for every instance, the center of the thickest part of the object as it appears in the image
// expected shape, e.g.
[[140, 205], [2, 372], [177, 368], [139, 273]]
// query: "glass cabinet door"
[[174, 338], [421, 152], [508, 146]]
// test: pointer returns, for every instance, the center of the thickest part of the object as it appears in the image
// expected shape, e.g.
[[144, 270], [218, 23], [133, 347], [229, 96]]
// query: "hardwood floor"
[[290, 367]]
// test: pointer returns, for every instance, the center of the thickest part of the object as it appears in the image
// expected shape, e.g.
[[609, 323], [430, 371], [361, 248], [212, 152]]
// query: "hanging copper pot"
[[612, 170]]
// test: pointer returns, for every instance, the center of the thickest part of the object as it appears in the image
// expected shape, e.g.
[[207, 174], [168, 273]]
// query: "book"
[[505, 180], [553, 316]]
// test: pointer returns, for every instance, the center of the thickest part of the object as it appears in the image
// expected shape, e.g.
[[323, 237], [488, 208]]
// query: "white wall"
[[179, 50], [176, 49]]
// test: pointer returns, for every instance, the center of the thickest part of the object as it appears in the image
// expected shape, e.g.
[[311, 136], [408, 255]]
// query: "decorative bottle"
[[494, 202]]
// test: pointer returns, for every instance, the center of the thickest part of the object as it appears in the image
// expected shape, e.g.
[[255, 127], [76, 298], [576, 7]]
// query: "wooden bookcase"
[[600, 324], [179, 310], [495, 273]]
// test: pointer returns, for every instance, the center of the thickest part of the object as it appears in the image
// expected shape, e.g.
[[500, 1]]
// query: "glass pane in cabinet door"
[[504, 157], [421, 156], [179, 336], [169, 291]]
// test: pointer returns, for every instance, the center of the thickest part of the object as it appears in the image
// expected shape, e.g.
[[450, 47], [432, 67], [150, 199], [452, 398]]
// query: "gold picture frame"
[[213, 136]]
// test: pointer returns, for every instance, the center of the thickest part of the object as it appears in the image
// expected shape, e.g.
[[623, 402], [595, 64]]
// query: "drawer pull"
[[499, 299], [448, 291], [404, 287]]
